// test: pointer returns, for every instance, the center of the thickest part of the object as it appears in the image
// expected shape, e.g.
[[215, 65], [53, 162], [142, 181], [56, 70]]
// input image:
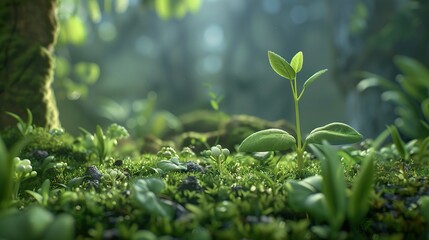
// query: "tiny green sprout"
[[277, 139], [102, 144], [218, 155], [23, 171]]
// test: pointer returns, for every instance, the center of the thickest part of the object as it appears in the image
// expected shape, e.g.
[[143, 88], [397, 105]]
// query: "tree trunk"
[[28, 30]]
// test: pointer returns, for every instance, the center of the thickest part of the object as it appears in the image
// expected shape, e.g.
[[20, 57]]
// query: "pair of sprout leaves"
[[277, 139]]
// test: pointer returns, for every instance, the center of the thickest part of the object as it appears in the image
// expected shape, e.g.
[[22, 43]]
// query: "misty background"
[[219, 51]]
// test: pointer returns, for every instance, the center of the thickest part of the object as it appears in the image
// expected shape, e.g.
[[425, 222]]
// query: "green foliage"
[[102, 144], [172, 164], [325, 197], [276, 139], [410, 95], [43, 194], [22, 170], [334, 133], [218, 155], [142, 117], [145, 193], [8, 175], [35, 223], [23, 127], [268, 140]]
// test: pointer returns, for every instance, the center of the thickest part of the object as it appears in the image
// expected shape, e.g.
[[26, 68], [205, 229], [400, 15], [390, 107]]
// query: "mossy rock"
[[229, 133]]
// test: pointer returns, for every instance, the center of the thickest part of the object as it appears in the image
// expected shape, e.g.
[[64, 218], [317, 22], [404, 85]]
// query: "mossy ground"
[[248, 200]]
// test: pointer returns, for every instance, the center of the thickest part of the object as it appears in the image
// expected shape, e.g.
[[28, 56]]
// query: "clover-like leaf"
[[299, 191], [144, 192], [267, 140], [313, 78], [170, 165], [296, 62], [281, 66], [334, 133], [305, 195]]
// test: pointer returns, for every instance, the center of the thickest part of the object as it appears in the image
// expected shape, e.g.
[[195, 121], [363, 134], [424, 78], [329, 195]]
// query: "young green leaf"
[[334, 185], [299, 191], [296, 62], [399, 143], [281, 66], [334, 133], [267, 140], [314, 77], [361, 191]]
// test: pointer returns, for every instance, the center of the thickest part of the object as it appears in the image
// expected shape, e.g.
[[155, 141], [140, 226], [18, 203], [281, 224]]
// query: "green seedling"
[[23, 127], [23, 171], [218, 155], [102, 144], [325, 197], [43, 194], [277, 139]]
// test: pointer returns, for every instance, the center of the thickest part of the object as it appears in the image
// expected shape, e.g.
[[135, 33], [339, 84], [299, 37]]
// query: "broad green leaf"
[[376, 81], [334, 133], [314, 181], [334, 186], [168, 165], [36, 196], [296, 62], [413, 69], [144, 194], [267, 140], [398, 142], [415, 91], [280, 66], [315, 204], [298, 192], [361, 192], [314, 77]]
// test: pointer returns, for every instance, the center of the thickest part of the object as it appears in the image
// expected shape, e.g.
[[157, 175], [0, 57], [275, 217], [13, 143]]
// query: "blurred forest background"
[[135, 61]]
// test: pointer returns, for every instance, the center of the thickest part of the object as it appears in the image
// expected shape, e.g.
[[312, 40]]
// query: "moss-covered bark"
[[28, 30]]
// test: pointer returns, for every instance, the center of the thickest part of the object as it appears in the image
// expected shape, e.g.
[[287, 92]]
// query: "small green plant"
[[23, 171], [325, 197], [23, 127], [44, 193], [218, 155], [277, 139], [100, 144], [145, 191]]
